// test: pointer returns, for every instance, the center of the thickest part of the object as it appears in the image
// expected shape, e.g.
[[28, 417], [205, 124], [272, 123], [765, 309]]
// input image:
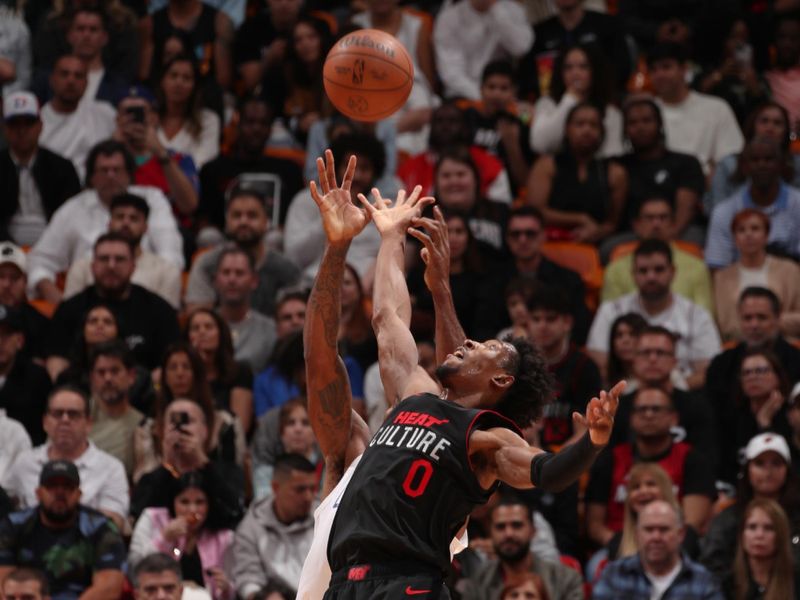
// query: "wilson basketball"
[[368, 75]]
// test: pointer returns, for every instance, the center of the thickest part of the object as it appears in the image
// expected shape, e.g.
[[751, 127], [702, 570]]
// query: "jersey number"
[[413, 489]]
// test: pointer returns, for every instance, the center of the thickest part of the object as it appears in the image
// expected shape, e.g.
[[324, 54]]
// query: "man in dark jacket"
[[35, 181]]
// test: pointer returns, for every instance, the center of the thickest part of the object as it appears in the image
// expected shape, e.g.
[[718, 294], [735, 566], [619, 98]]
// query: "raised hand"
[[341, 219], [397, 217], [599, 419], [436, 248]]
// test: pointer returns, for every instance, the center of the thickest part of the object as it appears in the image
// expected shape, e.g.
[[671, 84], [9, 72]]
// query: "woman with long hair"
[[580, 195], [188, 530], [622, 341], [754, 266], [231, 381], [763, 567], [184, 125], [579, 75], [769, 120]]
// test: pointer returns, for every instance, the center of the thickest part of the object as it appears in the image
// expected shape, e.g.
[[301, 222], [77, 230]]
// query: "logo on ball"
[[358, 71], [358, 104]]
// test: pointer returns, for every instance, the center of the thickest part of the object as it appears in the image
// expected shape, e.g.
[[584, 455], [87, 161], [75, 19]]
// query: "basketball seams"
[[393, 65]]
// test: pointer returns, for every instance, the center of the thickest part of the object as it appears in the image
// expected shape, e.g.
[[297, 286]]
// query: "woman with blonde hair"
[[763, 567]]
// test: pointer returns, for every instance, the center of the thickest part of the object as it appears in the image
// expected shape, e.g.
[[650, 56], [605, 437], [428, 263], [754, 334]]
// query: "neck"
[[114, 294], [528, 265], [677, 96], [761, 569], [67, 453], [654, 446], [234, 312], [93, 63], [654, 306], [175, 110], [571, 17], [64, 106], [653, 152], [558, 351], [663, 568], [25, 157], [766, 195], [753, 260], [517, 568], [115, 410], [281, 515]]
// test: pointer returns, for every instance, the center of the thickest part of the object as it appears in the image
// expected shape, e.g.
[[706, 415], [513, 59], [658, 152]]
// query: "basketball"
[[368, 75]]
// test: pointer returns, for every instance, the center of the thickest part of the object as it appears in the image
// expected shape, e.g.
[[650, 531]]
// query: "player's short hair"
[[231, 249], [511, 497], [110, 148], [21, 574], [112, 349], [526, 211], [72, 389], [131, 201], [550, 298], [757, 291], [532, 388], [659, 330], [653, 246], [498, 67], [286, 463], [667, 51], [114, 236], [155, 563]]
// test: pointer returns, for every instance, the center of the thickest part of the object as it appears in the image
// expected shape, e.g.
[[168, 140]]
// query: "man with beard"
[[659, 569], [144, 320], [78, 548], [653, 272], [246, 224], [129, 214], [114, 420], [512, 531], [104, 486], [653, 417]]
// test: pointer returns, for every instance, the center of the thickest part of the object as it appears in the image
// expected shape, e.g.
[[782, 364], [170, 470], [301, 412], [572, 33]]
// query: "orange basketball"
[[368, 75]]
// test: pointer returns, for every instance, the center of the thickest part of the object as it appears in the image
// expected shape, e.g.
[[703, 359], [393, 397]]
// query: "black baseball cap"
[[60, 469]]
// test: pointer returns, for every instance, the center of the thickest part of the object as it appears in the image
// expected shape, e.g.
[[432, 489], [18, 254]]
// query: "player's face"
[[653, 275], [307, 43], [128, 221], [178, 82], [659, 534], [159, 586], [29, 589], [759, 324], [457, 237], [235, 280], [113, 266], [624, 343], [576, 71], [290, 317], [758, 536], [512, 532], [655, 359], [297, 435], [667, 76], [654, 221], [642, 492], [767, 473], [456, 185], [770, 123], [100, 326], [66, 422], [652, 415], [548, 329], [203, 332], [59, 499], [641, 126], [192, 505], [584, 131], [69, 79], [497, 93], [524, 237], [295, 495], [763, 164], [473, 365], [758, 377], [246, 221], [178, 375], [12, 285]]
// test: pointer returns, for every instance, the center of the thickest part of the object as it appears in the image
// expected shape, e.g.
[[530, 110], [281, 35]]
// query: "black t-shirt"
[[550, 37], [36, 327], [221, 391], [146, 321], [659, 178], [485, 134], [216, 176], [23, 396], [68, 556], [253, 38], [413, 488]]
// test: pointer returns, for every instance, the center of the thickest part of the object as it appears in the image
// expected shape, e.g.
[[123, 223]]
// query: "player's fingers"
[[412, 199], [579, 419], [437, 214], [315, 193], [619, 389], [349, 172], [420, 235], [330, 168], [401, 198], [425, 201], [425, 255], [367, 205], [379, 201], [323, 178]]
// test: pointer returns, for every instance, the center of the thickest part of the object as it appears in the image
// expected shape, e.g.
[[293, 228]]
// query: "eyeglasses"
[[652, 408], [73, 414], [657, 269], [520, 233], [756, 371], [657, 352]]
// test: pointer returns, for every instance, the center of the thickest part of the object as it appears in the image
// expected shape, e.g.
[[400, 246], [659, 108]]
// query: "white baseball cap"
[[766, 442], [20, 104], [12, 254]]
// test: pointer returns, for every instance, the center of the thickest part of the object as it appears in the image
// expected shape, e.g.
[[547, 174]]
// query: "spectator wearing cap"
[[766, 474], [78, 548], [75, 227], [13, 286], [694, 123], [71, 125], [25, 384], [175, 174], [35, 181], [67, 422], [129, 215]]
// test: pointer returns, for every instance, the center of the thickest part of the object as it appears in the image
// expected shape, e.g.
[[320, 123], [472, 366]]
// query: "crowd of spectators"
[[621, 185]]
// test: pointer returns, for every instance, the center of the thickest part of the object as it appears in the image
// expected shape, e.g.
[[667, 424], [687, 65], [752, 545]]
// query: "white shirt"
[[698, 338], [202, 148], [76, 225], [466, 40], [703, 126], [28, 223], [104, 485], [15, 441], [73, 135], [661, 583], [94, 80]]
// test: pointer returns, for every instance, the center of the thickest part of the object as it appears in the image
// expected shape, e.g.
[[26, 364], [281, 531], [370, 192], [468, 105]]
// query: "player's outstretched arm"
[[397, 352], [436, 256], [328, 386]]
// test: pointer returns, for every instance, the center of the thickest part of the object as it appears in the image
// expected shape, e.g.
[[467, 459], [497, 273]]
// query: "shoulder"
[[155, 301], [18, 519], [103, 462]]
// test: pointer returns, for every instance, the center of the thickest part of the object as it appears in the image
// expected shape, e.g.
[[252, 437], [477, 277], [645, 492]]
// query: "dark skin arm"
[[339, 431]]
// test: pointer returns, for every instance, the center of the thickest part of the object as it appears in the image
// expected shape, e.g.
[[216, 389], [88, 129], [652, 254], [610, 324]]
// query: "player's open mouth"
[[459, 352]]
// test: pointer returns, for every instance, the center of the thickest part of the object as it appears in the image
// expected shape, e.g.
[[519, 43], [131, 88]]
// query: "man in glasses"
[[653, 417], [697, 336], [104, 486], [78, 548], [524, 238]]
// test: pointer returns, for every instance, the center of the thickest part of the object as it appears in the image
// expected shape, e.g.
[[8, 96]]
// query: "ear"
[[503, 381], [39, 493]]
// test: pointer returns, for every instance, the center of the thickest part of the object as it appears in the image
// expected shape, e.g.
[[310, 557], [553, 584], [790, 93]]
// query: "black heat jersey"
[[413, 488]]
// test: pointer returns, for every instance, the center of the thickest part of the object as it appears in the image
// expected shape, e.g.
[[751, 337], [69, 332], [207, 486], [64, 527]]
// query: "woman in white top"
[[579, 75], [184, 125], [414, 34]]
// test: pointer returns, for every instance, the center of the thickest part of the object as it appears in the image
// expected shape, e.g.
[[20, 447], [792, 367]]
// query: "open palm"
[[341, 219], [395, 217]]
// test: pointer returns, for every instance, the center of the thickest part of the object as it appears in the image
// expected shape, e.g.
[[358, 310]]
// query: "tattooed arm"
[[341, 433]]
